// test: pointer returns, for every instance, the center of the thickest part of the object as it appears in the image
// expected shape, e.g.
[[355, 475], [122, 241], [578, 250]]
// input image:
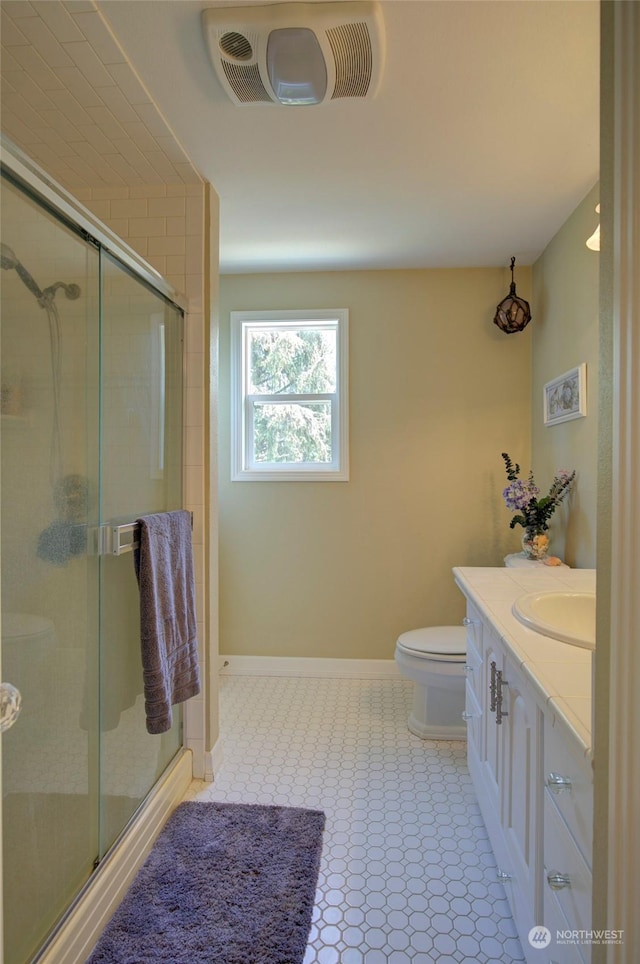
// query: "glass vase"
[[535, 544]]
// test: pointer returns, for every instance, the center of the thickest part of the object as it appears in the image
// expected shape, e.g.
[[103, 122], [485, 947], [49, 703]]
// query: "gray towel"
[[164, 569]]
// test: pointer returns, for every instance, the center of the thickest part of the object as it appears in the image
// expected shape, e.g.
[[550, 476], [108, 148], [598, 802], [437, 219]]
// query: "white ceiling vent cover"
[[296, 53]]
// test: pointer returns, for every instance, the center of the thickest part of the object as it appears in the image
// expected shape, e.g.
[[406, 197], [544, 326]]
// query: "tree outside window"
[[289, 395]]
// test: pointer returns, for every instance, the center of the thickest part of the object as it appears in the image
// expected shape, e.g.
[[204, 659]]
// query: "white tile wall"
[[75, 105], [142, 219]]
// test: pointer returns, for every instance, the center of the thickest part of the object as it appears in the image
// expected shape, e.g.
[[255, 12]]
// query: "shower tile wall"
[[52, 766], [155, 219], [32, 383], [29, 584], [73, 102]]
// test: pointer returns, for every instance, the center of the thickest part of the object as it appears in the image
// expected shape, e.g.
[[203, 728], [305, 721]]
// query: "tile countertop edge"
[[493, 591]]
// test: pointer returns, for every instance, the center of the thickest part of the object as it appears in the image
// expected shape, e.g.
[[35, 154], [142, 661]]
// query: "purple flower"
[[519, 494]]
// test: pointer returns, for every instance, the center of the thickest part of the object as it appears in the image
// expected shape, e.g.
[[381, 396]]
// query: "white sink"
[[567, 616]]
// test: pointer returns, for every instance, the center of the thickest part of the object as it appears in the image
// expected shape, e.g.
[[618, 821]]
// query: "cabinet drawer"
[[562, 858], [558, 952], [574, 802]]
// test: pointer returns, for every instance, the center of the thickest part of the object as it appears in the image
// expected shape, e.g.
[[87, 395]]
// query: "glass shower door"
[[49, 474], [91, 435], [141, 474]]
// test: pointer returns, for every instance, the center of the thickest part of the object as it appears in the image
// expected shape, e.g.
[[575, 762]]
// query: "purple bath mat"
[[225, 883]]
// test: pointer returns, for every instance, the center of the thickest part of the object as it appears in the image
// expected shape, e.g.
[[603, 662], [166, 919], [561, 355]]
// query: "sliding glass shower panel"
[[141, 474], [50, 499], [91, 434]]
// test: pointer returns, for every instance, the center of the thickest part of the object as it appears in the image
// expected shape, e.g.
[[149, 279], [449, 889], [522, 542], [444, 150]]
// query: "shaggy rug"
[[224, 884]]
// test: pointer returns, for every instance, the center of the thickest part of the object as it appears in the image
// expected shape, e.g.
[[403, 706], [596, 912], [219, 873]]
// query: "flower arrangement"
[[521, 495]]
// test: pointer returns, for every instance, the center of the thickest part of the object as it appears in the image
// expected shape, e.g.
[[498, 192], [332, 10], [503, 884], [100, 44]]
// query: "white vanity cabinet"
[[532, 777], [505, 764]]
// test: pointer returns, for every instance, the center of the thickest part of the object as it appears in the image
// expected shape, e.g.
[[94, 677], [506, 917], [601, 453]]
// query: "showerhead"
[[7, 257], [8, 260], [71, 291]]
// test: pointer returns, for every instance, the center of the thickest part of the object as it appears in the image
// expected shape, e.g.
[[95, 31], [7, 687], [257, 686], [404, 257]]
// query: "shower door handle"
[[115, 540], [10, 705]]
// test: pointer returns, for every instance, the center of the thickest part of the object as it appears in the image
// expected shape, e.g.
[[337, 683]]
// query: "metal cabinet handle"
[[467, 622], [502, 875], [500, 682], [492, 687], [558, 881], [557, 782], [468, 716]]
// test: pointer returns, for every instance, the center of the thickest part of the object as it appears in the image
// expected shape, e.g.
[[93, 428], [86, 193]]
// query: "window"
[[289, 395]]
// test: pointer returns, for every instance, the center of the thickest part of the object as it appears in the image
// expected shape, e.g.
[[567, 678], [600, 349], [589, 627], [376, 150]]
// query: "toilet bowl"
[[434, 658]]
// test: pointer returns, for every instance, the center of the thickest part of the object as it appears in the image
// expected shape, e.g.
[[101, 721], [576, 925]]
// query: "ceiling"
[[482, 139]]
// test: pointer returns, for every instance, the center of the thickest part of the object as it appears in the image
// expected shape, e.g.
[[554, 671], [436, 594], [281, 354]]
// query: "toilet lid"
[[442, 642]]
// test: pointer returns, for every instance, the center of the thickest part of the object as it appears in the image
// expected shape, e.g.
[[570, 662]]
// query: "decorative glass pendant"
[[513, 313]]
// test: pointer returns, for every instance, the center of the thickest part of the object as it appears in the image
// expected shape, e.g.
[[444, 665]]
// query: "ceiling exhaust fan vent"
[[246, 83], [297, 53], [351, 46], [236, 46]]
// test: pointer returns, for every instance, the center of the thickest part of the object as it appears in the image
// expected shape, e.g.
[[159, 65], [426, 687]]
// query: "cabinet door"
[[473, 667], [492, 761], [473, 716], [474, 682], [521, 786], [487, 767]]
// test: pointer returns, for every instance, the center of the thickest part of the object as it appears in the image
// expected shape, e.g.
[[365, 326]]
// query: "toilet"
[[434, 658]]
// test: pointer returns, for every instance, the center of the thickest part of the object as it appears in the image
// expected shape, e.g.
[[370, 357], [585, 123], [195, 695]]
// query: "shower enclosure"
[[91, 437]]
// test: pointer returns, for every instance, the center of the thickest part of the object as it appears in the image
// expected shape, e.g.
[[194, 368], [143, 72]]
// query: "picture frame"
[[565, 397]]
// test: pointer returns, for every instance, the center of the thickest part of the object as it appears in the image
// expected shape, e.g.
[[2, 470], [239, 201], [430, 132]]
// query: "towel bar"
[[115, 540]]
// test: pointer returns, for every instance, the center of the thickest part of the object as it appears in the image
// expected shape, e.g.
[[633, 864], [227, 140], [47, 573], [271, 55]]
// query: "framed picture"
[[565, 397]]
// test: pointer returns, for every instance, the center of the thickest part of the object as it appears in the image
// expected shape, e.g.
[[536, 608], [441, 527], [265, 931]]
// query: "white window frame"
[[243, 467]]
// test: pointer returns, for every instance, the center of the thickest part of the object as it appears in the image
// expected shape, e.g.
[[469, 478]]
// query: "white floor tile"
[[407, 872]]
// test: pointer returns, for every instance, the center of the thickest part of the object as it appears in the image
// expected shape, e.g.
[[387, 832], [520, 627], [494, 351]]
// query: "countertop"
[[561, 675]]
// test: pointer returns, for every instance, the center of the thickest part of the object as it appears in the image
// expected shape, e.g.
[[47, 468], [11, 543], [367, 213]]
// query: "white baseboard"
[[308, 666], [77, 935], [213, 761]]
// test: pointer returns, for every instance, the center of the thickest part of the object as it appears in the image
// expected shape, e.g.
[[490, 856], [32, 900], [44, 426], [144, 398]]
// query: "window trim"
[[242, 469]]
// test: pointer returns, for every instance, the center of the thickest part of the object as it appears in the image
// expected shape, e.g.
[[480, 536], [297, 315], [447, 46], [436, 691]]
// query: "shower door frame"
[[38, 182], [84, 919]]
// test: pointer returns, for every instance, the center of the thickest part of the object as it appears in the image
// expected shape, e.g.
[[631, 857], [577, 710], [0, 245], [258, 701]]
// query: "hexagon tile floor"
[[407, 873]]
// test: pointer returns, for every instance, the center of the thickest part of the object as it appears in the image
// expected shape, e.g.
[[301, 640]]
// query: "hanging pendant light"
[[513, 313]]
